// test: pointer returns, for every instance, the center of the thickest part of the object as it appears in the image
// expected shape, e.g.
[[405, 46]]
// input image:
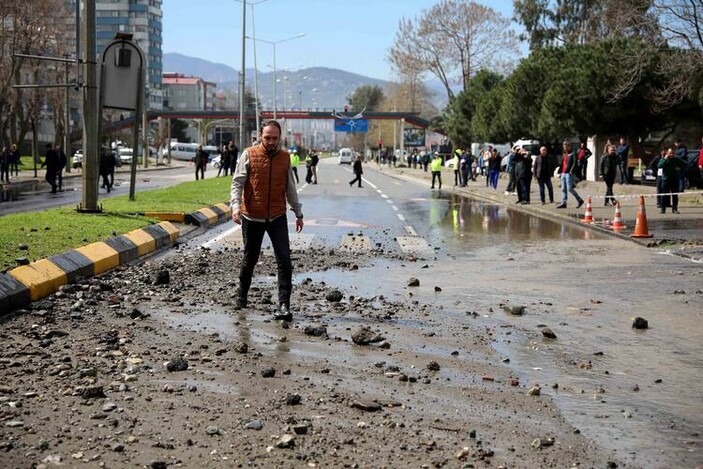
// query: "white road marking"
[[410, 230]]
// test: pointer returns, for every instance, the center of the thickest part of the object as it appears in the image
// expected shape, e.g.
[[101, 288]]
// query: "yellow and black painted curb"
[[209, 216], [41, 278]]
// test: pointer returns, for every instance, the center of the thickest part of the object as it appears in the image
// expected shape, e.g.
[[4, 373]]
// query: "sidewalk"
[[690, 203], [27, 175]]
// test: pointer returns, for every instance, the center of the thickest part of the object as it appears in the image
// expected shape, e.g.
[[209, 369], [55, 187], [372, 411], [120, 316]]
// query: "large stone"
[[640, 323], [364, 336]]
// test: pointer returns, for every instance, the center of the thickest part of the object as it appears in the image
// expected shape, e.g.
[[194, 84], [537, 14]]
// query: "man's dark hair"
[[273, 123]]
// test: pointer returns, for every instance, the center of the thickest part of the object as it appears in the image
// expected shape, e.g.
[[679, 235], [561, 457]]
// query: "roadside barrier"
[[41, 278], [641, 230], [625, 197], [588, 217], [617, 224]]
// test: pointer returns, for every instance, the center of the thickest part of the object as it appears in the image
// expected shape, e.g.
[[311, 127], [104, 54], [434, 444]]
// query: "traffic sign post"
[[122, 87]]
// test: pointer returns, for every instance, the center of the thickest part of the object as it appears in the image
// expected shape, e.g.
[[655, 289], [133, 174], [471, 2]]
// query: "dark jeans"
[[660, 190], [609, 196], [106, 181], [295, 173], [622, 166], [51, 179], [512, 187], [356, 178], [199, 170], [542, 182], [670, 186], [15, 167], [253, 235], [5, 173], [523, 189], [437, 175]]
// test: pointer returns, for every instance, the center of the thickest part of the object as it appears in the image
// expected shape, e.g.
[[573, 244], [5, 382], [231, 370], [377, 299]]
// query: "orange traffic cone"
[[588, 217], [641, 230], [617, 224]]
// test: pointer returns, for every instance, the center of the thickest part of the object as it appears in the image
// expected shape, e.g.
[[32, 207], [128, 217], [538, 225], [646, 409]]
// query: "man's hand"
[[299, 225], [237, 216]]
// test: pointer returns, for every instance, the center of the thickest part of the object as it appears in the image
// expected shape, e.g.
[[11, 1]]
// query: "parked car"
[[217, 161], [77, 159], [124, 155]]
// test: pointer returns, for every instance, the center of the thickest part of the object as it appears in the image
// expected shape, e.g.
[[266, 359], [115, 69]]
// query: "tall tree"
[[459, 113], [453, 40], [367, 97]]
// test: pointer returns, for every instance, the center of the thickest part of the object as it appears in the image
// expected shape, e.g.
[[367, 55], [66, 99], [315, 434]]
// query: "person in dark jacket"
[[52, 164], [201, 157], [567, 168], [4, 165], [671, 171], [358, 171], [233, 155], [654, 166], [582, 157], [609, 171], [543, 169], [106, 167], [623, 151], [14, 160], [523, 173]]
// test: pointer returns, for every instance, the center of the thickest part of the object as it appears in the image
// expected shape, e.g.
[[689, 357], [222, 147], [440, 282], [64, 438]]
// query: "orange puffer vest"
[[265, 187]]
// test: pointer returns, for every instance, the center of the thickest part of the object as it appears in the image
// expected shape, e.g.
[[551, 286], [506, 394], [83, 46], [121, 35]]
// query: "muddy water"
[[636, 392]]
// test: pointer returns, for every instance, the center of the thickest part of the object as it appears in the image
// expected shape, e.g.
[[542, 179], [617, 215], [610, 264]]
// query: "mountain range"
[[315, 88]]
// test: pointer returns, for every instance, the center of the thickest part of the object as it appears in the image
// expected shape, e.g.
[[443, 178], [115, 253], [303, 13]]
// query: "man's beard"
[[272, 149]]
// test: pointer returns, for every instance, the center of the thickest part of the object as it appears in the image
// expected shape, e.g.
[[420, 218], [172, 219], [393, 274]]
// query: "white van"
[[346, 156], [181, 151]]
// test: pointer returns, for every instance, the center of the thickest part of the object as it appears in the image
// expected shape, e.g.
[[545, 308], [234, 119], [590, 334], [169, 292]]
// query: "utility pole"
[[67, 125], [91, 139], [242, 140]]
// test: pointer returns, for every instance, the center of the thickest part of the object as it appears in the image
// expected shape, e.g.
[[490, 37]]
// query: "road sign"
[[351, 125]]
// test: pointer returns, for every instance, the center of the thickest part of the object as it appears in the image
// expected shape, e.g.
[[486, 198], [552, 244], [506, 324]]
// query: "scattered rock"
[[293, 399], [241, 347], [254, 425], [534, 391], [316, 331], [163, 277], [364, 336], [335, 296], [413, 282], [640, 323], [433, 366], [367, 406], [212, 430], [286, 441], [177, 364], [300, 429], [437, 289], [268, 372], [547, 332], [518, 310]]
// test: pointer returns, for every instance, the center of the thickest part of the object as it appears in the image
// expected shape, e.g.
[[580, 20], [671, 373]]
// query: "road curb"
[[209, 216], [24, 284]]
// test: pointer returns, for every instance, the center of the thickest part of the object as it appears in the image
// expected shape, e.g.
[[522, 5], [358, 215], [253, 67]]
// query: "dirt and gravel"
[[150, 366]]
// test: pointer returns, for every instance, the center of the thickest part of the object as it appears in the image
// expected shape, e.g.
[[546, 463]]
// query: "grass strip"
[[57, 230]]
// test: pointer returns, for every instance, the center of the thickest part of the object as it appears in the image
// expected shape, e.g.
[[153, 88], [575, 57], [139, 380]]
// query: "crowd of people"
[[570, 166]]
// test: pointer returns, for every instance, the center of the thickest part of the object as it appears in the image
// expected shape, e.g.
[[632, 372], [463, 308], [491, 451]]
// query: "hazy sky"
[[352, 35]]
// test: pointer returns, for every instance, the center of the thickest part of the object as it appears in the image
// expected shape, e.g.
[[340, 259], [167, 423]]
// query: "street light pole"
[[274, 43], [242, 144]]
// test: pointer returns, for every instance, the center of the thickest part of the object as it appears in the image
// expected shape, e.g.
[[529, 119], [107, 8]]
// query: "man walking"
[[233, 155], [358, 171], [671, 169], [262, 184], [52, 164], [567, 169], [201, 157]]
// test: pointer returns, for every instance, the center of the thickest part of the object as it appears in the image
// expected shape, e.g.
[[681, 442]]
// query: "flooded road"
[[635, 392]]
